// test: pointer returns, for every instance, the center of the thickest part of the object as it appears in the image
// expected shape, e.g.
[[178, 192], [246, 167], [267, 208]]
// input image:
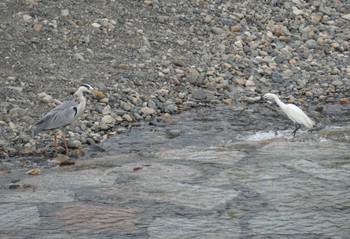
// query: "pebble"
[[47, 99], [249, 83], [173, 133], [179, 62], [79, 56], [119, 118], [26, 18], [240, 81], [37, 27], [14, 186], [170, 107], [74, 144], [344, 101], [125, 106], [95, 24], [107, 110], [347, 17], [147, 110], [207, 18], [121, 130], [227, 101], [128, 118], [64, 12], [107, 119], [161, 19], [181, 42], [12, 125], [217, 30], [297, 12], [337, 83], [2, 143], [104, 126], [166, 118], [182, 95], [17, 112], [151, 104], [311, 43], [63, 160], [104, 100]]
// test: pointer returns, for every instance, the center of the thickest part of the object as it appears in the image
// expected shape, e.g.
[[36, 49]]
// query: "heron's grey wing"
[[64, 105], [62, 115]]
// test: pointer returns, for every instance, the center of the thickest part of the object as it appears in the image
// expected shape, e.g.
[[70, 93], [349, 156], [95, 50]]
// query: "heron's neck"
[[279, 102], [82, 103]]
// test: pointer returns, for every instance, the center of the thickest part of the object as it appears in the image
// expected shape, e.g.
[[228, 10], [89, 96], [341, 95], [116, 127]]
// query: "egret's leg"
[[65, 143], [297, 127]]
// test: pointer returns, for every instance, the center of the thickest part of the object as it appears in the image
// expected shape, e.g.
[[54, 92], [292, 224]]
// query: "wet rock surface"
[[214, 179]]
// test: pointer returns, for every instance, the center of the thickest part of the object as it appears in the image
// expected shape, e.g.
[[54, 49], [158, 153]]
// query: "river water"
[[224, 172]]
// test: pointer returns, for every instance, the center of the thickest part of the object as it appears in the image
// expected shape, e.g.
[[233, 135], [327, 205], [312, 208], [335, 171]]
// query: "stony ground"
[[154, 58]]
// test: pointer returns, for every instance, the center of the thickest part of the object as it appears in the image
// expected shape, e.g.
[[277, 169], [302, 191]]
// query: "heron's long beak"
[[98, 93]]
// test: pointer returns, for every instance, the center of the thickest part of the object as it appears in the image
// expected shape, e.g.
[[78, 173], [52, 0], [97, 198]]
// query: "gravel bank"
[[157, 58]]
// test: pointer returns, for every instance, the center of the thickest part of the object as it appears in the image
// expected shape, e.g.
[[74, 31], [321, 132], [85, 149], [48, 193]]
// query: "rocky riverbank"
[[154, 59]]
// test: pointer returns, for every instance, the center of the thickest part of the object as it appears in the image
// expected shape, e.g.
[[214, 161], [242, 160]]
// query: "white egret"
[[293, 112]]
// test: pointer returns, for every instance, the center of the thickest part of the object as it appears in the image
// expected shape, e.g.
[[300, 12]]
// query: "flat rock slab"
[[200, 184], [173, 228], [95, 219], [37, 196], [18, 218], [180, 194]]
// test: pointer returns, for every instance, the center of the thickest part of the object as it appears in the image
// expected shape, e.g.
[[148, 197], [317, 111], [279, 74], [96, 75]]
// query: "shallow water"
[[214, 172]]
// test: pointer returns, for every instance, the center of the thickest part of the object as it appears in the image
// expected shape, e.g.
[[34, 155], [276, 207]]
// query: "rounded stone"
[[107, 119], [95, 24], [148, 110]]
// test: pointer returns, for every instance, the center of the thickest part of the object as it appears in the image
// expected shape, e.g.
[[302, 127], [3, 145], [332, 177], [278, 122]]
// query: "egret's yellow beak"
[[97, 93]]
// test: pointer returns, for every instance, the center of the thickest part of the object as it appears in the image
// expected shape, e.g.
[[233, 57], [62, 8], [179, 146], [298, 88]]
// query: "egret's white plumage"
[[64, 114], [293, 112]]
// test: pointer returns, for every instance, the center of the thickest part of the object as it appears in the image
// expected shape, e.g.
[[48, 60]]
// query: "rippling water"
[[219, 172]]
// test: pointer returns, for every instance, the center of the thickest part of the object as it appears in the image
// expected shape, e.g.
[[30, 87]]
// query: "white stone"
[[46, 99], [182, 95], [181, 42], [107, 110], [148, 110], [238, 44], [12, 125], [64, 12], [128, 118], [95, 24], [107, 119], [79, 56], [74, 144], [42, 94], [249, 83], [297, 12], [347, 17], [27, 18]]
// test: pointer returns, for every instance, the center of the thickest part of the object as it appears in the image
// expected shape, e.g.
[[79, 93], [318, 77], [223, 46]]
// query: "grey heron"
[[64, 114], [293, 112]]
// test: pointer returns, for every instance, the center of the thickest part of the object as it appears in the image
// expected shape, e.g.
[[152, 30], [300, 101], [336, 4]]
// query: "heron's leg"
[[65, 143], [297, 127], [55, 141]]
